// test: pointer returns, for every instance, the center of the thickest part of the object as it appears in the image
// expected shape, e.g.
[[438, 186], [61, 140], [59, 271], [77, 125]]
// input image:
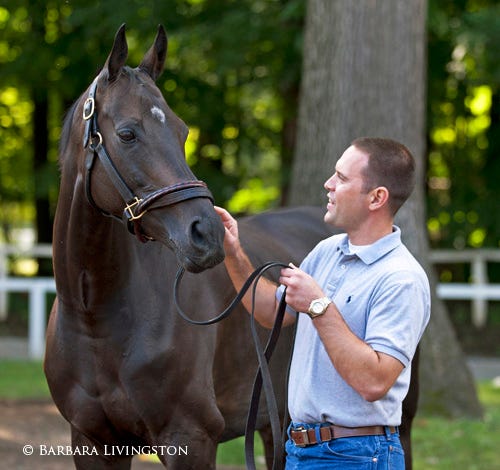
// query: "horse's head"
[[135, 165]]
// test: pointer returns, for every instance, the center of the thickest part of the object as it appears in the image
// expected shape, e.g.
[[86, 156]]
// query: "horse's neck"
[[87, 243]]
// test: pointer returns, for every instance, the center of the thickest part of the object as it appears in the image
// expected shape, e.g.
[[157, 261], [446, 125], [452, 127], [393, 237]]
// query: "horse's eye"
[[126, 135]]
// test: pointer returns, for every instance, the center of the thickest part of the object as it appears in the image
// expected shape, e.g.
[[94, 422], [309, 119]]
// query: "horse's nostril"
[[197, 232]]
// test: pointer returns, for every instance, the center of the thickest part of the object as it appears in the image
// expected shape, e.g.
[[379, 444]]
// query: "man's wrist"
[[318, 307]]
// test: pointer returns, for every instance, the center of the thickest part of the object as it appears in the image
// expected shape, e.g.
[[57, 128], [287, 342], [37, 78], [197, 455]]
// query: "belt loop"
[[317, 432], [387, 430]]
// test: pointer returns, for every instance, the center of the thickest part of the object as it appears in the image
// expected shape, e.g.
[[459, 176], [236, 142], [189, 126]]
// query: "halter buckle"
[[129, 209]]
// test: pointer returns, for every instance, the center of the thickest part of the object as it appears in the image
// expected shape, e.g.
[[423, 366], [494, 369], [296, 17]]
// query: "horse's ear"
[[154, 60], [118, 55]]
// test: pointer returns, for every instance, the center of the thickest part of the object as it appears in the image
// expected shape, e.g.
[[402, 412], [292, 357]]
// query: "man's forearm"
[[370, 373]]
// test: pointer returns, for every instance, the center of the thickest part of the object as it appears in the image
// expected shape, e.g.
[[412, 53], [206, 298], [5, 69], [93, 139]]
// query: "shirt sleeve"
[[397, 316]]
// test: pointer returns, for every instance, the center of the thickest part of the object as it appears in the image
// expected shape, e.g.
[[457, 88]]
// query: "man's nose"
[[330, 184]]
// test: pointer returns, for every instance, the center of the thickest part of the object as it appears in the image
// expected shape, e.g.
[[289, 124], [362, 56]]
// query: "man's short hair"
[[390, 164]]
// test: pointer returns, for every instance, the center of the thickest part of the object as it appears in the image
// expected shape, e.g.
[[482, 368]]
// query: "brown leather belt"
[[306, 437]]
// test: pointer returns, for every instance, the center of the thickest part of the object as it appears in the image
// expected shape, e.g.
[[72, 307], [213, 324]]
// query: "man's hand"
[[239, 268], [301, 290], [231, 239]]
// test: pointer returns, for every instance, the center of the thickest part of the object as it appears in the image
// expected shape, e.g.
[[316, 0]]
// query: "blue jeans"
[[360, 453]]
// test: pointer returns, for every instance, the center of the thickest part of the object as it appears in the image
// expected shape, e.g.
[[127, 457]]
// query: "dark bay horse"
[[123, 368]]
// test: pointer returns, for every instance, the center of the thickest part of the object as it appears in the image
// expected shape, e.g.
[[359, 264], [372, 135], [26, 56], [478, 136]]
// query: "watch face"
[[317, 307]]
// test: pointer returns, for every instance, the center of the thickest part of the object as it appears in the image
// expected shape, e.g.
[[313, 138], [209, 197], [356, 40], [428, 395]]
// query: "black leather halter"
[[135, 206]]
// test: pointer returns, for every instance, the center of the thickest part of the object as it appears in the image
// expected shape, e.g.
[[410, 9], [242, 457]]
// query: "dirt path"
[[38, 424]]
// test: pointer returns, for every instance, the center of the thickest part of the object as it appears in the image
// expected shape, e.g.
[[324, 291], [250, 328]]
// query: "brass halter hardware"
[[128, 209]]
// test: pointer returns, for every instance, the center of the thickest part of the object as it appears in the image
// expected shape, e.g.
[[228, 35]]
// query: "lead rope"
[[263, 380], [263, 376]]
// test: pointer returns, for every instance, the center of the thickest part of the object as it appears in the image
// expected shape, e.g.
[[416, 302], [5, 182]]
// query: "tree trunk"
[[364, 75]]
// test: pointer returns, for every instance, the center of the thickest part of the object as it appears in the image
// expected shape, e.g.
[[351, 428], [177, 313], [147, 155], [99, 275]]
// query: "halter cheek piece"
[[135, 206]]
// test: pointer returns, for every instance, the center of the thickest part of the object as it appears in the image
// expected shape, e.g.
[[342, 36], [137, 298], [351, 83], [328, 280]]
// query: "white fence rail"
[[479, 291], [42, 250], [37, 288]]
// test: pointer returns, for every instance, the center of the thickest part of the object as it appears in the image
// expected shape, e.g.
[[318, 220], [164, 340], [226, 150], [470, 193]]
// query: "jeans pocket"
[[361, 451], [322, 457]]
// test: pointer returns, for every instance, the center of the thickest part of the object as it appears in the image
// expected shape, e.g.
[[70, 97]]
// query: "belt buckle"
[[302, 436]]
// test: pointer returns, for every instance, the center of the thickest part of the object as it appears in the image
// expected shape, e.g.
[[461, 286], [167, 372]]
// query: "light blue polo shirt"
[[383, 295]]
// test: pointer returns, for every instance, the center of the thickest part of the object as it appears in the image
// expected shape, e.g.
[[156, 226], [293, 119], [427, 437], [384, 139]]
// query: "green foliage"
[[232, 66], [233, 74], [15, 115], [463, 122]]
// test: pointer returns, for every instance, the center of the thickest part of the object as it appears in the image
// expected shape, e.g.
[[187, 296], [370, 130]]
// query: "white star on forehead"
[[158, 113]]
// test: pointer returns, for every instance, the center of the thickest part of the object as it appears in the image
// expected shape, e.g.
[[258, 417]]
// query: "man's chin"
[[329, 218]]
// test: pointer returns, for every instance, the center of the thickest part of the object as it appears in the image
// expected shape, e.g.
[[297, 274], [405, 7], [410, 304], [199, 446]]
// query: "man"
[[366, 302]]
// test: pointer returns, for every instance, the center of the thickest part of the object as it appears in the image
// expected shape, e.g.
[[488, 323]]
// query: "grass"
[[443, 444], [22, 380], [233, 452], [438, 443]]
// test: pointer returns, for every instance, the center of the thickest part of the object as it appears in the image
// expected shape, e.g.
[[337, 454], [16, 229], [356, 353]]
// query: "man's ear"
[[378, 197]]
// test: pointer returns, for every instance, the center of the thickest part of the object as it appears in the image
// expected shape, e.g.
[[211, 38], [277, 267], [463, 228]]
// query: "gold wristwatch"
[[318, 307]]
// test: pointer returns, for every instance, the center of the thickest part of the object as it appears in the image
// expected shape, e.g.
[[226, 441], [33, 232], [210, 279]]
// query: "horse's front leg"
[[189, 441], [89, 455], [188, 452]]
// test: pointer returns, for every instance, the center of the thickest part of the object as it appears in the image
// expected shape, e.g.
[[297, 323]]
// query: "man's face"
[[348, 201]]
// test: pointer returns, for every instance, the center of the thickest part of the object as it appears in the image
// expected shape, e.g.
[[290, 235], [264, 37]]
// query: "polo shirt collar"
[[377, 250]]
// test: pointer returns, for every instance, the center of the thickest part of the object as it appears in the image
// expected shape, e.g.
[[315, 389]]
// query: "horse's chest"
[[107, 405], [121, 412], [88, 385]]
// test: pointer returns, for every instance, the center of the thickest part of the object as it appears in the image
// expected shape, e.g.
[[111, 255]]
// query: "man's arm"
[[369, 372], [239, 267]]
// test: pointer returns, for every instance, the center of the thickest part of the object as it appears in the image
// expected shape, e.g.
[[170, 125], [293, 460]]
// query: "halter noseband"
[[135, 206]]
